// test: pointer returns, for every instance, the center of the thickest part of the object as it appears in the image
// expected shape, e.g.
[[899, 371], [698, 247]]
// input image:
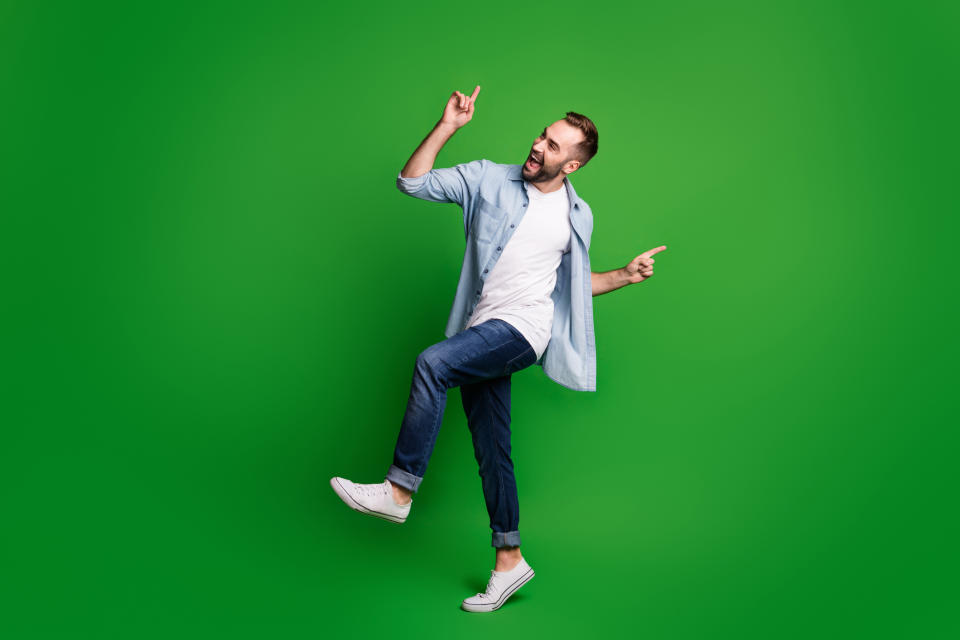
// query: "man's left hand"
[[641, 267]]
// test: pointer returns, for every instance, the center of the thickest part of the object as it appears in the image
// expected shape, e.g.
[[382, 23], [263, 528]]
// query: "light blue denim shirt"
[[494, 201]]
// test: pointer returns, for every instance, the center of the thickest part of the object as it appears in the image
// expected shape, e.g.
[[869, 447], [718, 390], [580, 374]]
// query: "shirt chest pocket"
[[488, 220]]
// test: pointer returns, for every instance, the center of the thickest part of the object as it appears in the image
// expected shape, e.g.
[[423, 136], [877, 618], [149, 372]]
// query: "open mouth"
[[532, 164]]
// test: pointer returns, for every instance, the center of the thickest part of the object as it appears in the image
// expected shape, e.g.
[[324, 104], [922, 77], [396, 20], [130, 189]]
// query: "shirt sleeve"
[[453, 184]]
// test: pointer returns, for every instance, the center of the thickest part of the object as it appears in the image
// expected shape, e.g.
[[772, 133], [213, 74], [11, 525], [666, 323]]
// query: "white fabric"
[[372, 499], [502, 585], [518, 287]]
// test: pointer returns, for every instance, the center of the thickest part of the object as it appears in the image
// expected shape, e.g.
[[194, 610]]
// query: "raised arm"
[[458, 112], [452, 184]]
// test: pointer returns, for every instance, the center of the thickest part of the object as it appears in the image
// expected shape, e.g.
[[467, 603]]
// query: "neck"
[[550, 186]]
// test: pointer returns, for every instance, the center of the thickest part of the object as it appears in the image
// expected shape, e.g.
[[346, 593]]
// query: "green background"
[[215, 294]]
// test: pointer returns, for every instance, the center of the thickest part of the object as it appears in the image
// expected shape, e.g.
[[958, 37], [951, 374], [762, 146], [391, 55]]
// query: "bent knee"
[[429, 362]]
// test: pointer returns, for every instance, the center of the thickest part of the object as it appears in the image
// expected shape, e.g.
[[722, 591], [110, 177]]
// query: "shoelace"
[[373, 489], [491, 591]]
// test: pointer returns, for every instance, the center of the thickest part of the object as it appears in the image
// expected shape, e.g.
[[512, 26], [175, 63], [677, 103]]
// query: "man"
[[524, 297]]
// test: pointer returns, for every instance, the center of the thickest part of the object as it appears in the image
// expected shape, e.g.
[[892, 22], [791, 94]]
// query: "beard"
[[544, 174]]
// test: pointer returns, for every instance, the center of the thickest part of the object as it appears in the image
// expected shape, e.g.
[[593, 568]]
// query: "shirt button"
[[485, 270], [511, 226], [498, 248]]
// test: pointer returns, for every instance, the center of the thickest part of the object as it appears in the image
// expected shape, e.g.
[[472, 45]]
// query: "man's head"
[[563, 147]]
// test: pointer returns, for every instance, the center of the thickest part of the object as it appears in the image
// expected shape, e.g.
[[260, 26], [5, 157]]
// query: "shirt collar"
[[516, 173]]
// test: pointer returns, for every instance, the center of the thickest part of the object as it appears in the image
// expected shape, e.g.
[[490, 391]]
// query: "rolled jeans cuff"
[[401, 478], [508, 539]]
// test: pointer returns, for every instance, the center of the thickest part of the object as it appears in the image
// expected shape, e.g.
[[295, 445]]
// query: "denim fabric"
[[479, 360], [494, 201]]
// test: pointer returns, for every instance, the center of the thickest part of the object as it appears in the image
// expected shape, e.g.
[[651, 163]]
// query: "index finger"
[[650, 252], [475, 92]]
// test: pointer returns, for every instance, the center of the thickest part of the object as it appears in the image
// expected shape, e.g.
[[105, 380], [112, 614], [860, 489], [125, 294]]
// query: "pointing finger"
[[475, 92], [650, 252]]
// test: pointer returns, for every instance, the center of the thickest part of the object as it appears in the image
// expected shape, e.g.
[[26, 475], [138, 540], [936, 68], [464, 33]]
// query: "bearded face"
[[551, 151]]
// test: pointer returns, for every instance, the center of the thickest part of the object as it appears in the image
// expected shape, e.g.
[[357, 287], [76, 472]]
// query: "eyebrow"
[[550, 140]]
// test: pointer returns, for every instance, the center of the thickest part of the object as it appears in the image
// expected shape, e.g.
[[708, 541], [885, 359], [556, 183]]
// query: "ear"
[[570, 166]]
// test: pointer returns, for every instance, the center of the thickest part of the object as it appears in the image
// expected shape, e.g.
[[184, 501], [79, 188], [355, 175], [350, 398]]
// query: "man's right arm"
[[418, 178], [426, 154]]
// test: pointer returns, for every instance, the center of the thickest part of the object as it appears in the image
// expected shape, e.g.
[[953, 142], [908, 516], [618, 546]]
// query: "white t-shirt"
[[518, 287]]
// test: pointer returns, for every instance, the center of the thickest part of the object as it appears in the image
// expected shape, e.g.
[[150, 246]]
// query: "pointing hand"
[[459, 108], [641, 267]]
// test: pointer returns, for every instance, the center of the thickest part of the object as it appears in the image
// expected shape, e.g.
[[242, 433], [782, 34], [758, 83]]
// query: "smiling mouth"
[[532, 164]]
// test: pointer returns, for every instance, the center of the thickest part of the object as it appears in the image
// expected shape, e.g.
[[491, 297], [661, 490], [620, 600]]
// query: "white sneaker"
[[501, 586], [374, 499]]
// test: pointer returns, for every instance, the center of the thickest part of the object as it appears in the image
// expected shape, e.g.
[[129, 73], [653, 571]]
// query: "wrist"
[[446, 127]]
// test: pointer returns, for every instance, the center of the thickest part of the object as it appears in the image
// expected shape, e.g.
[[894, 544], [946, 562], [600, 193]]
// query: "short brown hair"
[[586, 148]]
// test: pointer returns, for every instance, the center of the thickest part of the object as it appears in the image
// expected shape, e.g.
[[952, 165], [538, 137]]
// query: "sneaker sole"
[[353, 504], [481, 608]]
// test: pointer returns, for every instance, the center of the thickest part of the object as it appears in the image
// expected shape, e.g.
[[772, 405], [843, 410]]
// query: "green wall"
[[215, 294]]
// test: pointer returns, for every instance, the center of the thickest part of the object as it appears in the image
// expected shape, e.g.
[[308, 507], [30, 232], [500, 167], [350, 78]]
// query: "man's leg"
[[487, 407], [492, 349]]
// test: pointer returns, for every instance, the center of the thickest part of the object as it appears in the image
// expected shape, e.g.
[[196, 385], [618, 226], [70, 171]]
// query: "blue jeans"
[[479, 360]]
